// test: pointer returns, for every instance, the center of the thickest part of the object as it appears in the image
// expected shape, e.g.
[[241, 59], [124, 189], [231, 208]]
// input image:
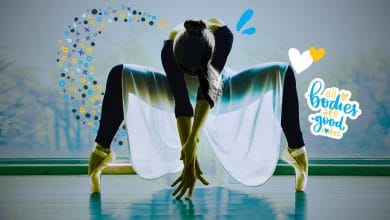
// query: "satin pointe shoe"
[[297, 158], [98, 160]]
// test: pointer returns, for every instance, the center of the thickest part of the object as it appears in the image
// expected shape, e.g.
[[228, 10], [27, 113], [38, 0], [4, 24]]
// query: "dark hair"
[[193, 48]]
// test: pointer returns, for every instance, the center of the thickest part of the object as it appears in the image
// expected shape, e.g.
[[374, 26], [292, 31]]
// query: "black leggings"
[[112, 110]]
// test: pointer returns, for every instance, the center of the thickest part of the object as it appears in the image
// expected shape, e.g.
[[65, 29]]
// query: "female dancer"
[[193, 56]]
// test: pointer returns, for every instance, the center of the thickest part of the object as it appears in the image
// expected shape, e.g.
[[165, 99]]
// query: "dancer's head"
[[194, 46]]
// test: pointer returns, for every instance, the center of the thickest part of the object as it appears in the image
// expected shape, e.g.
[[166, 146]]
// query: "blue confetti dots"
[[62, 83], [75, 60]]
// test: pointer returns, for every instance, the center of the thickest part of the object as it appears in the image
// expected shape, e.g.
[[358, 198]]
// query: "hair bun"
[[194, 27]]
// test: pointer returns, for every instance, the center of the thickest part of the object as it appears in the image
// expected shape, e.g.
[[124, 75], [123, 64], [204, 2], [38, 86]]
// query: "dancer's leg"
[[248, 85], [295, 154], [112, 108], [111, 118], [290, 112], [147, 84]]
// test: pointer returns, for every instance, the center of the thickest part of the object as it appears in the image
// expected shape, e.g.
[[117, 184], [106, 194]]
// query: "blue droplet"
[[245, 17], [90, 92], [89, 58], [249, 31], [86, 65], [80, 62], [153, 17]]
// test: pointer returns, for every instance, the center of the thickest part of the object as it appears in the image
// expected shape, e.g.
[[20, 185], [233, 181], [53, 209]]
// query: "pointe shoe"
[[298, 160], [94, 173]]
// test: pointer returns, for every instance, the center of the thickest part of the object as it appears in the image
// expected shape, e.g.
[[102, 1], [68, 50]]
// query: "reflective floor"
[[129, 197]]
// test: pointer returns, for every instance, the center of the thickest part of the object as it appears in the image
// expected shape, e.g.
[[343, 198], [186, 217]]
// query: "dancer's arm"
[[191, 170], [190, 147], [183, 108]]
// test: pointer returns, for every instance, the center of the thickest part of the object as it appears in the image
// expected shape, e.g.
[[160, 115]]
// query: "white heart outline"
[[300, 62]]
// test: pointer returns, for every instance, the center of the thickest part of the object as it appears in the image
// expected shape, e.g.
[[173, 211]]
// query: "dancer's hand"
[[191, 171], [198, 173]]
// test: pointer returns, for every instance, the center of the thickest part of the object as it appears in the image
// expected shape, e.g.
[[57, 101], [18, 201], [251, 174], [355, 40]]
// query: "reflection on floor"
[[129, 197]]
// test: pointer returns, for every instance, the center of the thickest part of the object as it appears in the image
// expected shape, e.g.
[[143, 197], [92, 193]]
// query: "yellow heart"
[[64, 49], [345, 95], [317, 54]]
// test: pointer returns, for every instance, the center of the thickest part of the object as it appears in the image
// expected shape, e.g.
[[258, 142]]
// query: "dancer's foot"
[[98, 160], [297, 158]]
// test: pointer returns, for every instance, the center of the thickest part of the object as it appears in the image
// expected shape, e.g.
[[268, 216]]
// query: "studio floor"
[[129, 197]]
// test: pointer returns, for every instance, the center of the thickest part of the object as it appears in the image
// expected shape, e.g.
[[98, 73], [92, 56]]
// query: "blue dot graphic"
[[80, 87], [62, 83]]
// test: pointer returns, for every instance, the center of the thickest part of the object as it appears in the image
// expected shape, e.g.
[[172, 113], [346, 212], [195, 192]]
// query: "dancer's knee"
[[290, 77], [115, 74]]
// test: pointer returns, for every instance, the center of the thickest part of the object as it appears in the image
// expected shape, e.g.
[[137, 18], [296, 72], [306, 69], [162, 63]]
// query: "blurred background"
[[41, 115]]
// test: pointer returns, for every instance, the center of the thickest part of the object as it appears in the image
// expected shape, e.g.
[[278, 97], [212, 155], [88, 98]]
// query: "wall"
[[36, 118]]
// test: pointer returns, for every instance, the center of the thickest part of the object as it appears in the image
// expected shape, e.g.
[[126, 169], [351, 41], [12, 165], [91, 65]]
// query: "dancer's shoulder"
[[174, 32], [214, 23]]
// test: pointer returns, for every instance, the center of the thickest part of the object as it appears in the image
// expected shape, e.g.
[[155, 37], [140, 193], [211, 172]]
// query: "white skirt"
[[243, 129]]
